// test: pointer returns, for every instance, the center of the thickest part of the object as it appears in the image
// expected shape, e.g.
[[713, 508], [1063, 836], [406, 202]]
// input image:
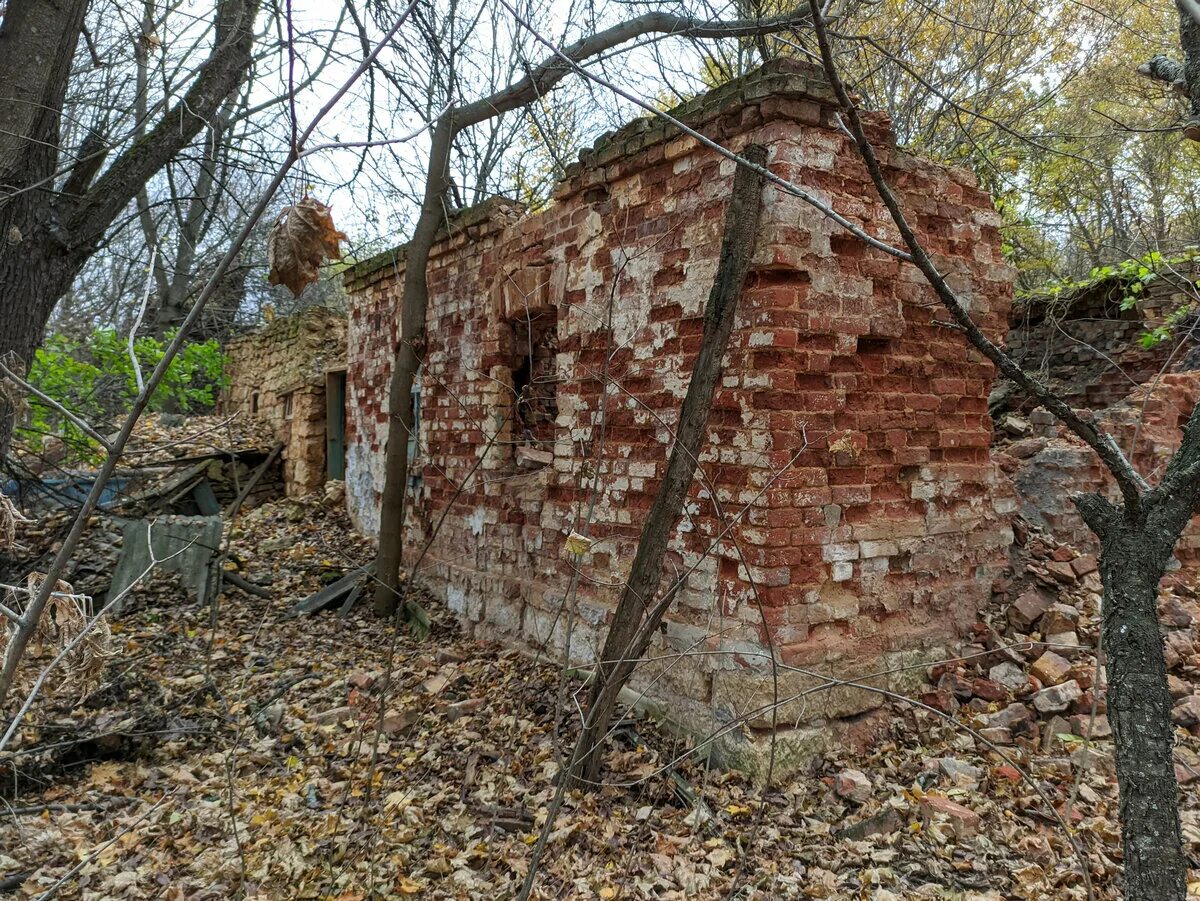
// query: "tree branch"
[[220, 75], [1128, 480]]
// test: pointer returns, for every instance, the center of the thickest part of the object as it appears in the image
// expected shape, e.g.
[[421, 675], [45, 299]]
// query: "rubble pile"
[[1031, 677]]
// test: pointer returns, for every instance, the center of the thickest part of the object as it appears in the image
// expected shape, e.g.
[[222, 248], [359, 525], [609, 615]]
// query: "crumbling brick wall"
[[1088, 347], [846, 487], [1050, 467], [277, 374]]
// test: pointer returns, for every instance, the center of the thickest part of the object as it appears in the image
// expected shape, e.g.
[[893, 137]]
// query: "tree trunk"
[[1134, 552], [415, 304], [640, 610]]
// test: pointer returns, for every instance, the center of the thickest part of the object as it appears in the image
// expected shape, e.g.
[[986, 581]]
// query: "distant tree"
[[62, 186]]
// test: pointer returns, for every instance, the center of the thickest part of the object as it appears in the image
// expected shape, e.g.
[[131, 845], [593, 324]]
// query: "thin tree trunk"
[[1139, 709], [404, 370], [640, 611]]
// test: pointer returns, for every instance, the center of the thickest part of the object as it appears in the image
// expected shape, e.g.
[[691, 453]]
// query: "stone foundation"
[[846, 483]]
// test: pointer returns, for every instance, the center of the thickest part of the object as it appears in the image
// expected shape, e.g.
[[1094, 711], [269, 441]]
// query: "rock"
[[1178, 648], [363, 680], [1051, 732], [997, 735], [1066, 642], [1061, 571], [1174, 615], [1085, 565], [1057, 698], [1051, 668], [988, 690], [1028, 609], [1011, 716], [1177, 687], [1093, 760], [448, 655], [1084, 726], [1187, 712], [853, 785], [1017, 426], [883, 823], [1026, 447], [1009, 675], [397, 721], [940, 700], [964, 821], [1059, 618], [335, 715], [960, 773], [1187, 765], [959, 686]]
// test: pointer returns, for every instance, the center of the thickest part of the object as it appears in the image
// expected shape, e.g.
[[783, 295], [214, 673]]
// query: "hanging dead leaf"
[[301, 239]]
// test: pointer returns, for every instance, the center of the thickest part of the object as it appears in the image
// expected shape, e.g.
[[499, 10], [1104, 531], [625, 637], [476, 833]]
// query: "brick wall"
[[277, 374], [1048, 468], [874, 546], [1087, 347]]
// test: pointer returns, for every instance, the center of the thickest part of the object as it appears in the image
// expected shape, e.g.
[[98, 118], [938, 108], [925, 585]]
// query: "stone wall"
[[846, 488], [277, 374]]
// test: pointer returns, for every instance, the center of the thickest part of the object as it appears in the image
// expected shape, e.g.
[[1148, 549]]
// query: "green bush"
[[94, 379]]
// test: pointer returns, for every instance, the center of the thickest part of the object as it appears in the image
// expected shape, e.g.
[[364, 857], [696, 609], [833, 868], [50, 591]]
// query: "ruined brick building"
[[292, 374], [856, 517], [1087, 343]]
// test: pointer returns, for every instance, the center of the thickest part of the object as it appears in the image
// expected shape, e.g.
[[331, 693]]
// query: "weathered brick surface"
[[1087, 347], [1149, 421], [890, 523], [289, 357]]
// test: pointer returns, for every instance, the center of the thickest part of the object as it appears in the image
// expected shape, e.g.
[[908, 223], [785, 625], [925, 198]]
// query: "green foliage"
[[94, 379]]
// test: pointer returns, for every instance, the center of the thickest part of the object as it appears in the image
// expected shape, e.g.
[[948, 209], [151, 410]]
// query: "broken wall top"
[[288, 353], [783, 90]]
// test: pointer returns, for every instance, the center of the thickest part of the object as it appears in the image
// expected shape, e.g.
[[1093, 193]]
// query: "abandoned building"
[[855, 515], [1087, 342], [292, 374]]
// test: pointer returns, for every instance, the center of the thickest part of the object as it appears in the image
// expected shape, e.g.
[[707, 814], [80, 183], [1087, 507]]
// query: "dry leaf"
[[301, 239]]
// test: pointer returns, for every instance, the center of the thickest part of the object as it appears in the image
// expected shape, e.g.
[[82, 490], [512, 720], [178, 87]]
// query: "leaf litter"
[[279, 759]]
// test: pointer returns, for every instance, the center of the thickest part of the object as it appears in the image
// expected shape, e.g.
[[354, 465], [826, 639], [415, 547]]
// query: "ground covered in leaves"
[[331, 757]]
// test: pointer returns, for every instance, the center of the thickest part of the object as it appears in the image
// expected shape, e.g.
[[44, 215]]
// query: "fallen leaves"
[[284, 718], [301, 240]]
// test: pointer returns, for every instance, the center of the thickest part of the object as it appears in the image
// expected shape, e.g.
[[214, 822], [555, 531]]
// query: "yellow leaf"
[[608, 892], [578, 544], [409, 886]]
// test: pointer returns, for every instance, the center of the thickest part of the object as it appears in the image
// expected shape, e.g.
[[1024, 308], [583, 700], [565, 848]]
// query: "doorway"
[[335, 424]]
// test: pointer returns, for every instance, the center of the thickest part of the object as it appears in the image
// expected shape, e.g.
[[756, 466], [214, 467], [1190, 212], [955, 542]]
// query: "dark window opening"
[[287, 406], [534, 386], [254, 404], [869, 345]]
